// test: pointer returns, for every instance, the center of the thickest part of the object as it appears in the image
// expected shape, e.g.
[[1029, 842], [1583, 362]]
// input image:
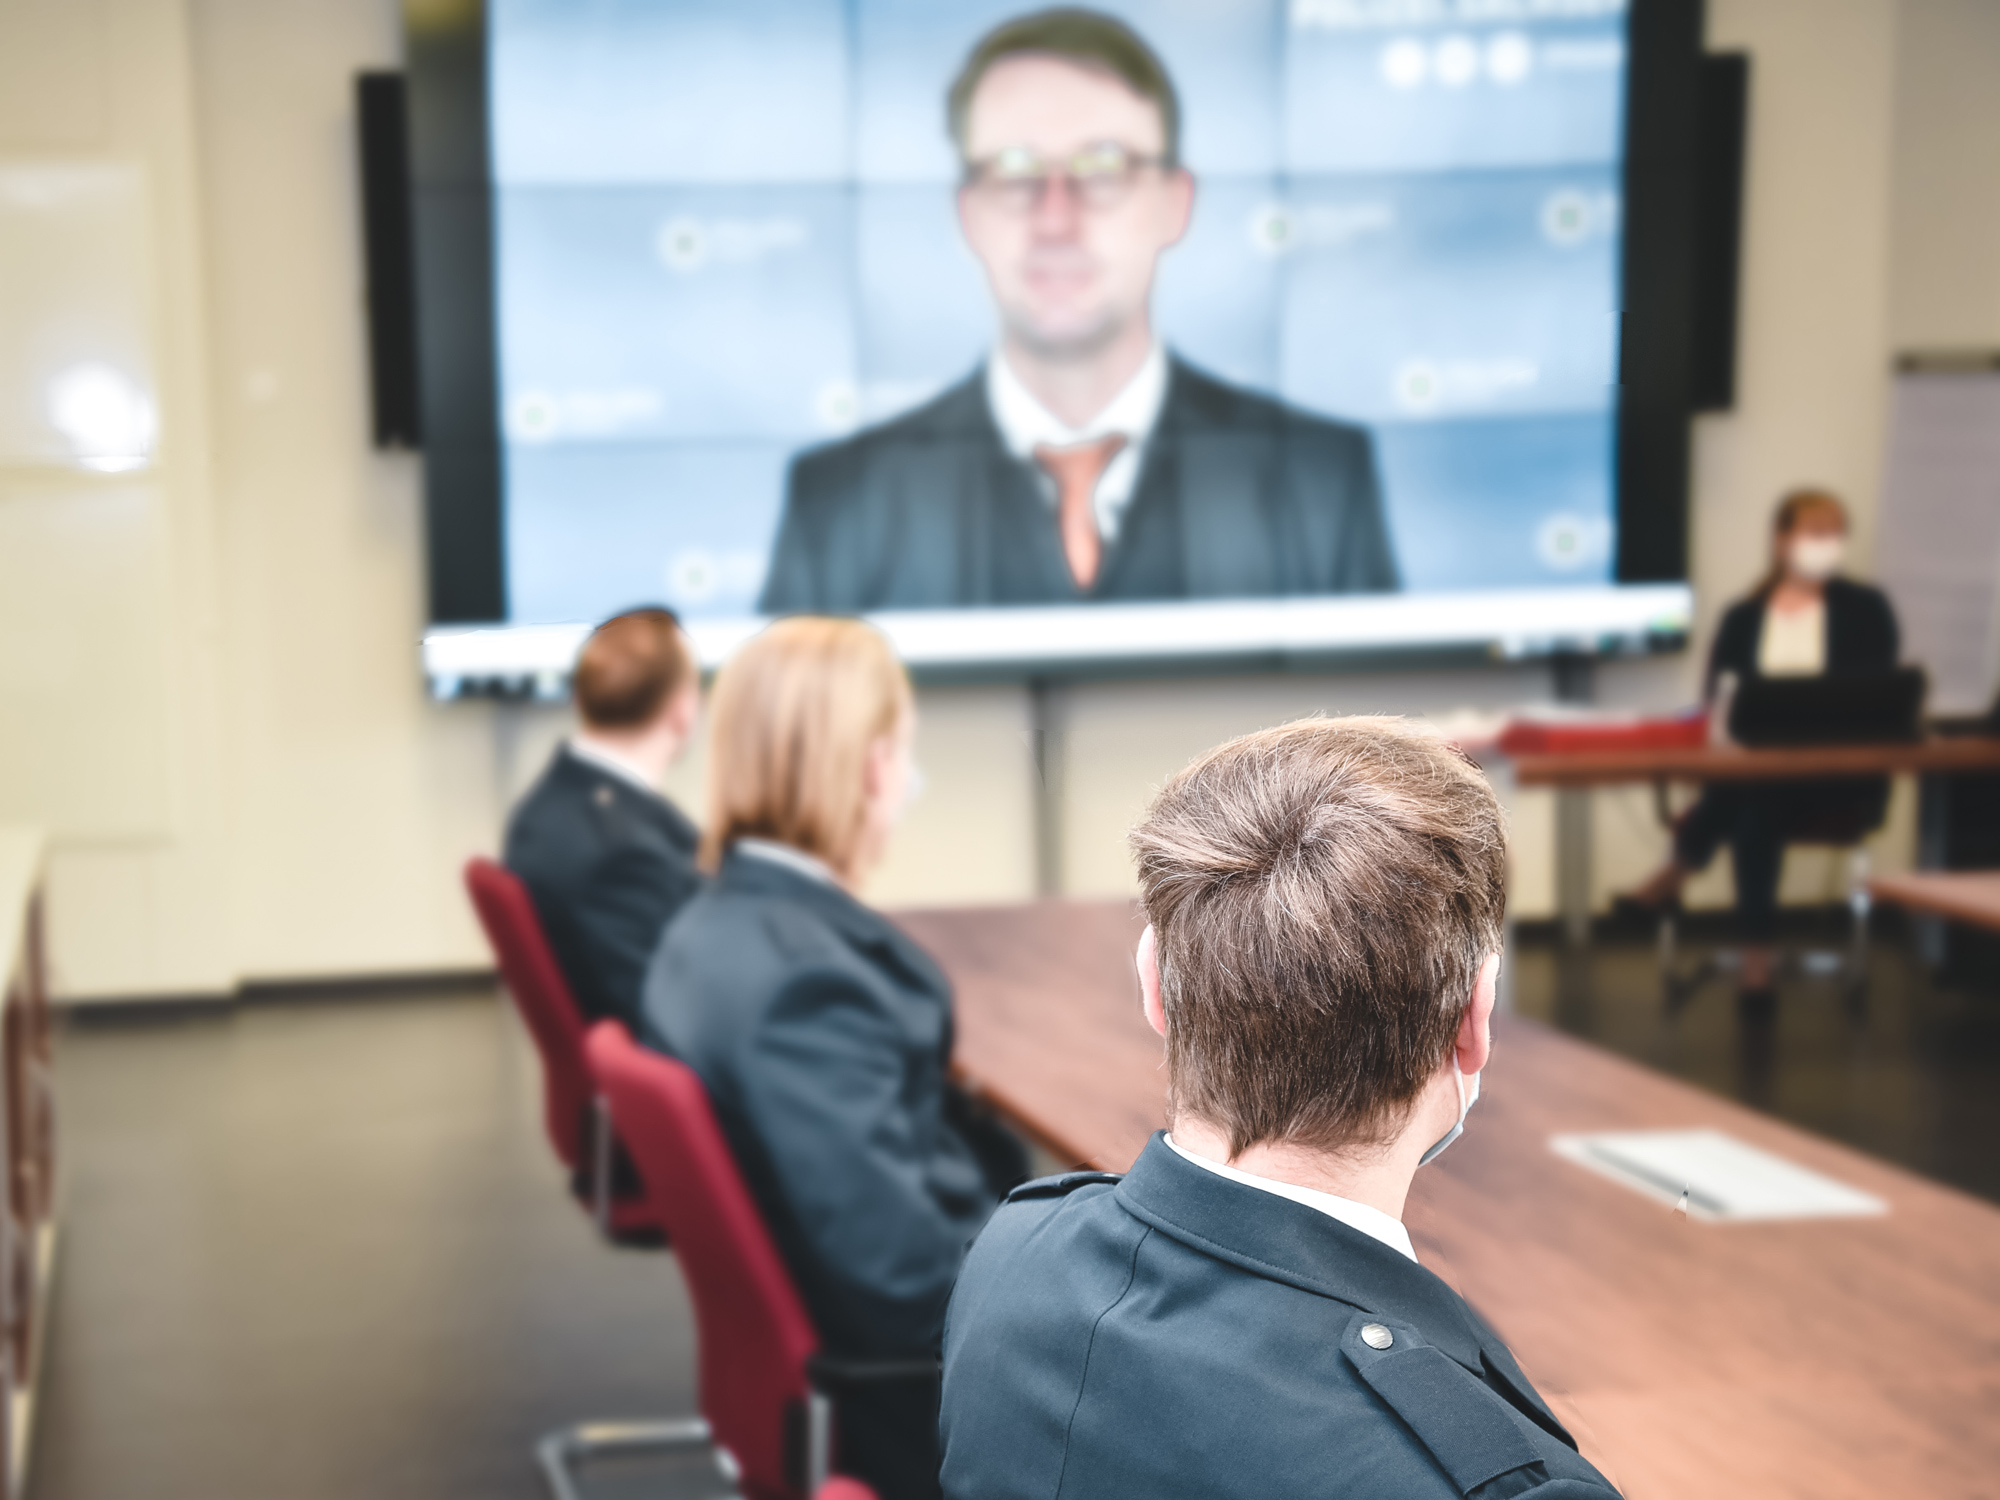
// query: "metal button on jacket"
[[1375, 1336]]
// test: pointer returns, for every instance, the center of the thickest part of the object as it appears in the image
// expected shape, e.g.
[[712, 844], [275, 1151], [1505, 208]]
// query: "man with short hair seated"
[[607, 858], [1243, 1314]]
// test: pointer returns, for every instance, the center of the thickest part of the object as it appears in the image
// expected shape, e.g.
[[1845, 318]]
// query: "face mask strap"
[[1466, 1099]]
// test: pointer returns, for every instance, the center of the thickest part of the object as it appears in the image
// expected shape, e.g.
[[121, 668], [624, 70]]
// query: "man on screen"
[[1083, 461]]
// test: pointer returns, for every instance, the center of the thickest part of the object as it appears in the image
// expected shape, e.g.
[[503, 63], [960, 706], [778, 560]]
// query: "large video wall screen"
[[756, 319]]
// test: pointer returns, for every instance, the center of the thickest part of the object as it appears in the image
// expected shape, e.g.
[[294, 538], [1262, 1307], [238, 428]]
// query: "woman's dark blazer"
[[1861, 634], [823, 1036]]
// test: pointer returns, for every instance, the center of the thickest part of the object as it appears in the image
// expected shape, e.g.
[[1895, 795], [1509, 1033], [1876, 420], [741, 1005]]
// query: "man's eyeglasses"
[[1016, 178]]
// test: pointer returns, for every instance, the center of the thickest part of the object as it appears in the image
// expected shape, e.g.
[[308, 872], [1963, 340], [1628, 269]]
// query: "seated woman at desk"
[[822, 1033], [1803, 620]]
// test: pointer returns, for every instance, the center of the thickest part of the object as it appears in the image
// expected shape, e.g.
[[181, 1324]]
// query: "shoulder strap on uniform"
[[1061, 1185], [1469, 1429]]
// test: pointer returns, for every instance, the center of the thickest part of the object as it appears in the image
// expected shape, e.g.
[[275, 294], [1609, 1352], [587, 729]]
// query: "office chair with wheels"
[[766, 1390], [1840, 829], [577, 1125]]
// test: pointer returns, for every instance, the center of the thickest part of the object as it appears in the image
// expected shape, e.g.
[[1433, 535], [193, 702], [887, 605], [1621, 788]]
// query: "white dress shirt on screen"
[[1025, 425]]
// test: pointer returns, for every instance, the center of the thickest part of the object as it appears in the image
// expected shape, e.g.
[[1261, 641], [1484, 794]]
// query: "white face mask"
[[1466, 1098], [1817, 558]]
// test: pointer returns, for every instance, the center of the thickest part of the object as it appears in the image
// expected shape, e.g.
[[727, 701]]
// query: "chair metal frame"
[[1850, 964], [559, 1451]]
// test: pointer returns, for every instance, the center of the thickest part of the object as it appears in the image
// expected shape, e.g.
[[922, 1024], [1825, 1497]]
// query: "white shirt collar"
[[610, 760], [1370, 1221], [810, 866], [1025, 424]]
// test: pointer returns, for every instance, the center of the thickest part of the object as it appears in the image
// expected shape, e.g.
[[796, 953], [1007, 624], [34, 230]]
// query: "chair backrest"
[[1840, 827], [543, 997], [755, 1333]]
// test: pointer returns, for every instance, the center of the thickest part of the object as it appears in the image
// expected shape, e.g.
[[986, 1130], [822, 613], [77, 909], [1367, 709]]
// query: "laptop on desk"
[[1859, 708]]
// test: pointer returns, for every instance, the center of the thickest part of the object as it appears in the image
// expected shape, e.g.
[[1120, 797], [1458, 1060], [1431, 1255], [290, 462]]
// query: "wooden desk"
[[27, 1118], [1961, 895], [1821, 1359], [1733, 763], [1573, 775]]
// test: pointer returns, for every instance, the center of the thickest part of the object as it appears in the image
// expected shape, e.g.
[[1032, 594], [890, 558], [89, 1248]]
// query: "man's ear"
[[958, 202], [685, 709], [1181, 200], [1475, 1032], [1147, 960]]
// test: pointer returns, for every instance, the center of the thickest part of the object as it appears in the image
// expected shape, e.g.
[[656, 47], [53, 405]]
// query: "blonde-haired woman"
[[824, 1034], [1804, 619]]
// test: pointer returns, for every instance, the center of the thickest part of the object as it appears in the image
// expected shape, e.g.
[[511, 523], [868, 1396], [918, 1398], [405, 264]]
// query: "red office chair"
[[579, 1127], [571, 1112], [765, 1389]]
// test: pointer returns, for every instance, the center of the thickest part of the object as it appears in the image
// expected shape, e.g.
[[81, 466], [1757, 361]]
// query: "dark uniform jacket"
[[608, 864], [1178, 1336], [823, 1035], [1238, 496]]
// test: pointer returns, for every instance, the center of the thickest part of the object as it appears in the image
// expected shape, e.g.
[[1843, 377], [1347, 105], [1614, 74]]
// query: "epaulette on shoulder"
[[1061, 1185]]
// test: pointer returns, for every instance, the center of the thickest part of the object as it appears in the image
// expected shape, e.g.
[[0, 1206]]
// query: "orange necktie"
[[1076, 472]]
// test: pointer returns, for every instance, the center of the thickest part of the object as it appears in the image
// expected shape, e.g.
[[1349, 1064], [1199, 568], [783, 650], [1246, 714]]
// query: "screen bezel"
[[452, 213]]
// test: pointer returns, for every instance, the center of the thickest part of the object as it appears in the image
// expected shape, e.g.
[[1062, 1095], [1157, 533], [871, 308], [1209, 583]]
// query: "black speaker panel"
[[389, 260], [1718, 248]]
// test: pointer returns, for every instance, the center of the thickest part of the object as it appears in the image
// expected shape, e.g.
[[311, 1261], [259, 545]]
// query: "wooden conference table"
[[1574, 773], [1827, 1358], [1970, 896]]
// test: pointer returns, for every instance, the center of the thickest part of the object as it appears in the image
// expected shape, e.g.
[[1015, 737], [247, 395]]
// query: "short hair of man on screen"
[[1083, 460], [1244, 1314], [1068, 129]]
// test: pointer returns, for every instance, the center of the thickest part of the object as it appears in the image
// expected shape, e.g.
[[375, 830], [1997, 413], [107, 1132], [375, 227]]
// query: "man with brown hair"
[[1082, 461], [605, 856], [1243, 1314]]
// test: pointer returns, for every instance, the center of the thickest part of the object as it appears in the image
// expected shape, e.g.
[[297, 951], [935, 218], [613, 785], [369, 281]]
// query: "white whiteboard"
[[1939, 537]]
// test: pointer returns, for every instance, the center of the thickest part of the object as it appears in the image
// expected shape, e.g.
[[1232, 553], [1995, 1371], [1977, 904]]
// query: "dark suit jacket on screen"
[[1238, 496], [1177, 1336], [823, 1035], [608, 864]]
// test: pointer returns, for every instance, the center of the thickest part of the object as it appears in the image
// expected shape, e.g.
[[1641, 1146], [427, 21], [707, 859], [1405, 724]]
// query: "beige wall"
[[311, 807], [130, 786]]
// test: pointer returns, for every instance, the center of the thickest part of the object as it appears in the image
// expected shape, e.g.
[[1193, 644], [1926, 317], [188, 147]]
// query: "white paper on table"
[[1725, 1179]]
